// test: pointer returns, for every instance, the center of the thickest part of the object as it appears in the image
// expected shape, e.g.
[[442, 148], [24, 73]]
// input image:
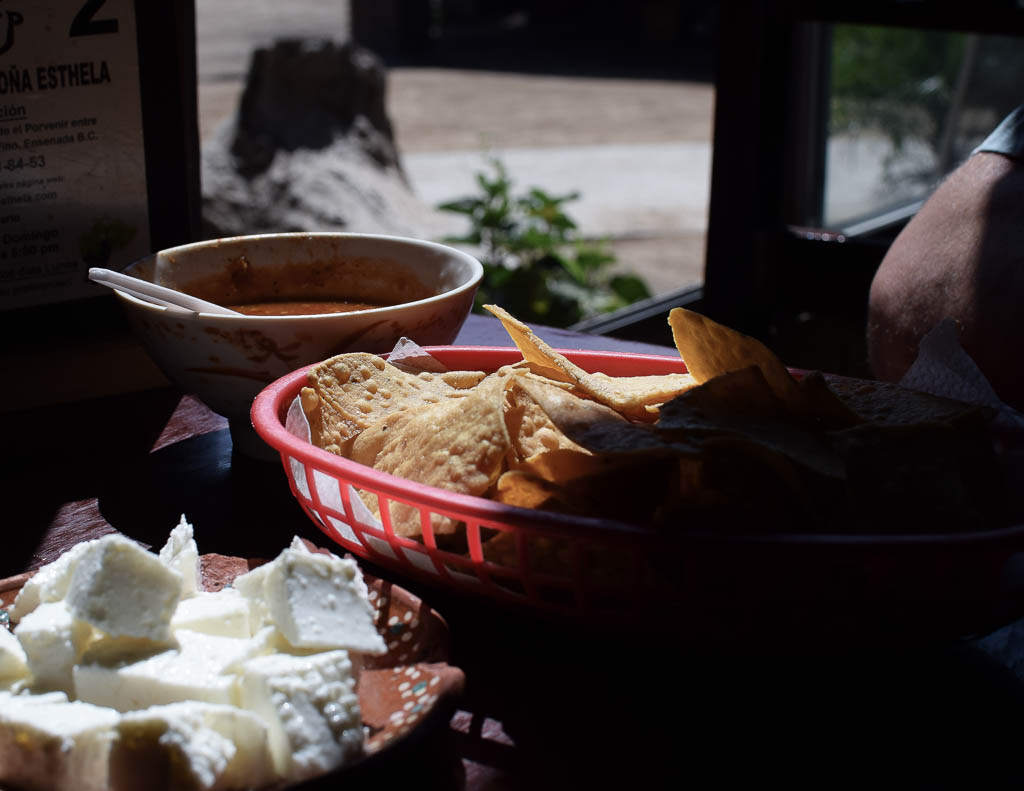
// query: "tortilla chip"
[[890, 404], [454, 444], [600, 565], [742, 487], [822, 406], [710, 349], [540, 447], [329, 429], [629, 395], [547, 555], [529, 425], [725, 400], [740, 407], [920, 478], [589, 425], [562, 465], [457, 380], [354, 391], [633, 494], [523, 490]]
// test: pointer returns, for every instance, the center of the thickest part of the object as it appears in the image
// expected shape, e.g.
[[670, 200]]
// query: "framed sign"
[[98, 141]]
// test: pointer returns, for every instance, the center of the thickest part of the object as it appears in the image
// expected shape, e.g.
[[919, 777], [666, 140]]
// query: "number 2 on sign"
[[85, 25]]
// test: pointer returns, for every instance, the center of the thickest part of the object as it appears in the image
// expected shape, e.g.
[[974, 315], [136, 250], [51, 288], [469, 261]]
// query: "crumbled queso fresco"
[[118, 659]]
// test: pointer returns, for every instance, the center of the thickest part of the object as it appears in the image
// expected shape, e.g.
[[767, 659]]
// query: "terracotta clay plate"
[[409, 688]]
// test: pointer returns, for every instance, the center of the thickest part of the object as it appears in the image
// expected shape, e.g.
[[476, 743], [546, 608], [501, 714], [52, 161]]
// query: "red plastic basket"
[[949, 584]]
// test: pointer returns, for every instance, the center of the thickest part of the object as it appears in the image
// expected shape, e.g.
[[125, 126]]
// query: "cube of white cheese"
[[52, 744], [190, 745], [310, 706], [250, 585], [315, 600], [225, 612], [13, 662], [299, 544], [178, 688], [121, 589], [49, 583], [52, 639], [181, 554], [198, 668]]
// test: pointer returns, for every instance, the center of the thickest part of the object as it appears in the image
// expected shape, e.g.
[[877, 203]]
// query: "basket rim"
[[272, 402]]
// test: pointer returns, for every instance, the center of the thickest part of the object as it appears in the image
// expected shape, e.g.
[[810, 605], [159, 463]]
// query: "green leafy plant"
[[896, 80], [943, 90], [535, 264]]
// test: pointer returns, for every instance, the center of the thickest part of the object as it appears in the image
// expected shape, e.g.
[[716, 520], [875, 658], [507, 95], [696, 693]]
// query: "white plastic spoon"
[[158, 295]]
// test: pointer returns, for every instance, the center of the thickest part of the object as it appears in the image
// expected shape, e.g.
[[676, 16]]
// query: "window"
[[832, 123], [905, 107]]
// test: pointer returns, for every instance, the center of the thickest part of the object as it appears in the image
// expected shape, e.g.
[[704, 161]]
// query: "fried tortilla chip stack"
[[736, 445]]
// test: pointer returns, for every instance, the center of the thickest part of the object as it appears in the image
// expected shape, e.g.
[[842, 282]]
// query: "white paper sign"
[[72, 157]]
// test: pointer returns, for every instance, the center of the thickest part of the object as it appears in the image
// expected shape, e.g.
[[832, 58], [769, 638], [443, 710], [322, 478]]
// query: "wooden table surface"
[[545, 705]]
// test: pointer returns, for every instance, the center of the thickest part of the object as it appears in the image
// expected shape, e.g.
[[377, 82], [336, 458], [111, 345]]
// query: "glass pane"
[[907, 106], [601, 121]]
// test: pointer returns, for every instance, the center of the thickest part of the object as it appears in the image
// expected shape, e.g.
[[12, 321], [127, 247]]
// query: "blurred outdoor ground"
[[629, 128]]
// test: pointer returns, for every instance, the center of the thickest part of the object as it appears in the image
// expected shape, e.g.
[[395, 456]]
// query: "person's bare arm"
[[961, 256]]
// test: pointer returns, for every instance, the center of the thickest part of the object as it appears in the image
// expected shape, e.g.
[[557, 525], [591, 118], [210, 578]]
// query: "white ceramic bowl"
[[226, 360]]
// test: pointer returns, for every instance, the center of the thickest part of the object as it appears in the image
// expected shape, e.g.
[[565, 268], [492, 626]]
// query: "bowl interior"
[[377, 271]]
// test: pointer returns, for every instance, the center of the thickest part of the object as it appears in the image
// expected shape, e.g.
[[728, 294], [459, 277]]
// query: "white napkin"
[[943, 368]]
